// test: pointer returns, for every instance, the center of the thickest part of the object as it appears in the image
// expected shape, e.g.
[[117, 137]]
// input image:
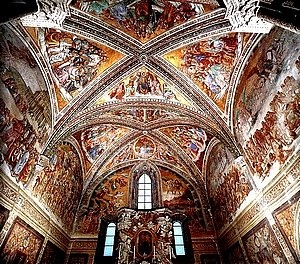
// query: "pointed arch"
[[153, 181]]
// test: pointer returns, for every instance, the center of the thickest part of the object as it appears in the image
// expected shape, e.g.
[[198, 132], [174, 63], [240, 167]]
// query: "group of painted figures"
[[75, 61], [142, 83], [143, 18]]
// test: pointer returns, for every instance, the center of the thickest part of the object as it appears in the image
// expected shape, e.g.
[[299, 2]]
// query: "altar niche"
[[145, 245], [140, 237], [145, 236]]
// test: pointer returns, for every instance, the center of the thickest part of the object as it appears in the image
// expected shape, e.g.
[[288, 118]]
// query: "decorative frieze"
[[59, 236], [205, 247], [283, 245], [29, 210], [84, 245], [8, 193], [289, 179]]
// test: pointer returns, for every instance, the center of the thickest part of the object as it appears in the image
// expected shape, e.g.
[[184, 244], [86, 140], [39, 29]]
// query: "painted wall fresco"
[[178, 197], [234, 255], [22, 245], [145, 19], [52, 254], [97, 139], [24, 108], [61, 180], [107, 198], [157, 151], [4, 213], [192, 140], [287, 217], [209, 64], [267, 102], [76, 61], [143, 84], [261, 245], [227, 184]]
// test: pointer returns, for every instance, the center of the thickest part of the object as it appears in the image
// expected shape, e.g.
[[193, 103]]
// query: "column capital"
[[243, 16], [51, 14]]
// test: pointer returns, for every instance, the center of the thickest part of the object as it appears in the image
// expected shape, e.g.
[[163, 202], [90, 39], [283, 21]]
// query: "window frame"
[[179, 237], [144, 191], [111, 244]]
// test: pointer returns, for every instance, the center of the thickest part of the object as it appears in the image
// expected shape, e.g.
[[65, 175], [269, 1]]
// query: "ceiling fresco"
[[266, 111], [145, 19], [96, 140], [209, 63], [145, 148], [75, 61], [123, 85], [192, 140], [143, 84]]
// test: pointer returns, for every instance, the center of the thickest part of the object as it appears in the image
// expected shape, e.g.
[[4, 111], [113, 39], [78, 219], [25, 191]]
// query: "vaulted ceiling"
[[153, 90], [144, 96], [143, 80]]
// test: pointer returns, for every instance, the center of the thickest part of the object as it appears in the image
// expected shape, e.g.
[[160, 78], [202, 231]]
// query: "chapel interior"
[[149, 131]]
